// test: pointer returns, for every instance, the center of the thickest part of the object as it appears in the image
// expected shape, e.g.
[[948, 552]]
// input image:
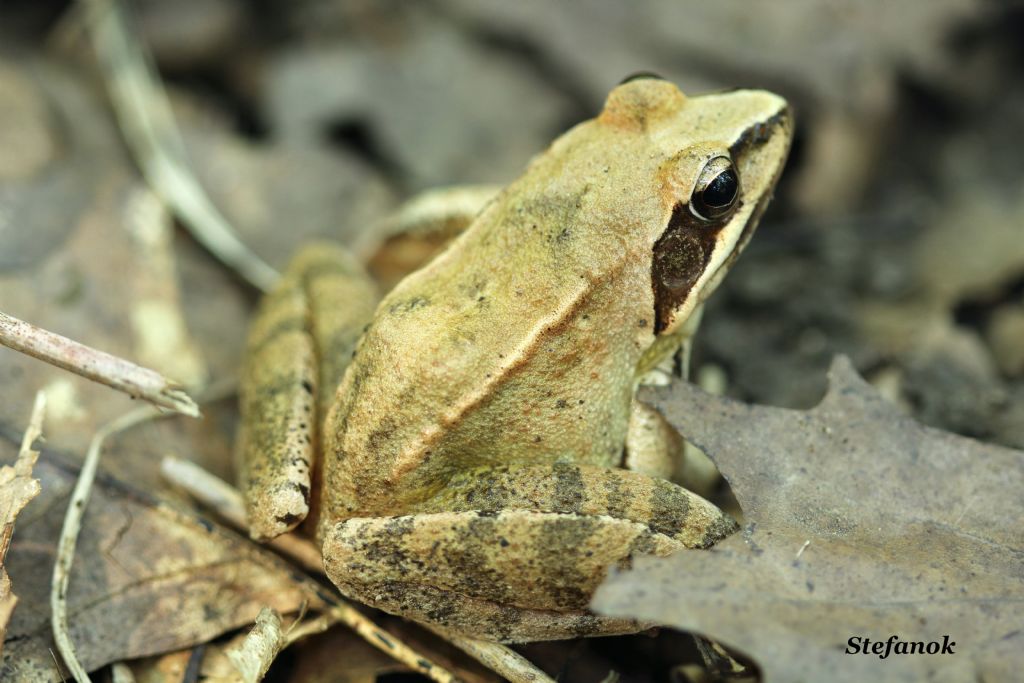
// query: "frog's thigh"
[[512, 576], [421, 228], [298, 346]]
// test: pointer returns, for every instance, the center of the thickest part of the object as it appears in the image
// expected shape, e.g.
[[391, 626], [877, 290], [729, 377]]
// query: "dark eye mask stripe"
[[681, 254]]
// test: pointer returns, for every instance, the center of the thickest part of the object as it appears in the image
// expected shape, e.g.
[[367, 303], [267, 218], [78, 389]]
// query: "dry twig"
[[502, 660], [99, 366], [257, 651], [69, 535], [147, 122]]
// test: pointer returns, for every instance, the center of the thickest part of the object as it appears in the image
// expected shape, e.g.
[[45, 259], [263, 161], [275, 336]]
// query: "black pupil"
[[721, 191]]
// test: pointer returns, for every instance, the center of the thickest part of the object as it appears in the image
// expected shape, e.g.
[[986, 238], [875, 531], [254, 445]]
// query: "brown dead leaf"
[[172, 667], [147, 578], [17, 488], [859, 522]]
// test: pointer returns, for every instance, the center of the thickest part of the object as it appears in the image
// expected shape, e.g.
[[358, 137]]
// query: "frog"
[[464, 447]]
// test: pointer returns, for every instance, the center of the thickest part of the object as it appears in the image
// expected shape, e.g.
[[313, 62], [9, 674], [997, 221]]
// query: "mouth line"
[[759, 134]]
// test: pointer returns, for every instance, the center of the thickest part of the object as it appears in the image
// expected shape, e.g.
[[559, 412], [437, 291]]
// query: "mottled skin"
[[471, 458]]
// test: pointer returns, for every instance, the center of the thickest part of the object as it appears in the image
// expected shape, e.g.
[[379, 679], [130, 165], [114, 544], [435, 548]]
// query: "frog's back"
[[520, 343], [514, 346]]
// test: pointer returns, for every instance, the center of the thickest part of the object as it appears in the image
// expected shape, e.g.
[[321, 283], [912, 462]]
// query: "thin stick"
[[502, 660], [56, 665], [26, 455], [208, 489], [99, 366], [147, 123], [259, 648], [69, 535], [309, 627], [389, 644]]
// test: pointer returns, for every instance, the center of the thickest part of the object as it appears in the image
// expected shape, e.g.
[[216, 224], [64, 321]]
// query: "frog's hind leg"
[[515, 553], [514, 576], [421, 228], [298, 347]]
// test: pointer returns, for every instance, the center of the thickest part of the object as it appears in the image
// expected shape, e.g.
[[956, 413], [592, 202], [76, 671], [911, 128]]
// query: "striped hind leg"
[[515, 553], [298, 347]]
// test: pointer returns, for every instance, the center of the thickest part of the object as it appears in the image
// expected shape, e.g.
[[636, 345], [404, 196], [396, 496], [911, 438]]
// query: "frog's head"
[[722, 155]]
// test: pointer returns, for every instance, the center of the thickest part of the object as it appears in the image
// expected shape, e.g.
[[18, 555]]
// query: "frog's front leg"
[[653, 446], [299, 343], [513, 553]]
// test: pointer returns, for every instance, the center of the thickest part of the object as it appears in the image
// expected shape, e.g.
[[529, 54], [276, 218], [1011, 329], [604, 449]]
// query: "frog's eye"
[[717, 190]]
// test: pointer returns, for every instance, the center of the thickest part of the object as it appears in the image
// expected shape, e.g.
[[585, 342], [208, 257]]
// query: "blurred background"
[[896, 236]]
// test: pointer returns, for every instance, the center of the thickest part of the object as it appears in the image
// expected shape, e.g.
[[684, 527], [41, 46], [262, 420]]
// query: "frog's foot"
[[515, 553], [299, 342], [487, 619]]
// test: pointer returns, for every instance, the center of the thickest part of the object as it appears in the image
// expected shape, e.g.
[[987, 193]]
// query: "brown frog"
[[459, 446]]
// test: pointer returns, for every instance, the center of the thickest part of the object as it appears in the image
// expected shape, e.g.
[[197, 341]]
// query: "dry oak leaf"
[[859, 522], [17, 488]]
